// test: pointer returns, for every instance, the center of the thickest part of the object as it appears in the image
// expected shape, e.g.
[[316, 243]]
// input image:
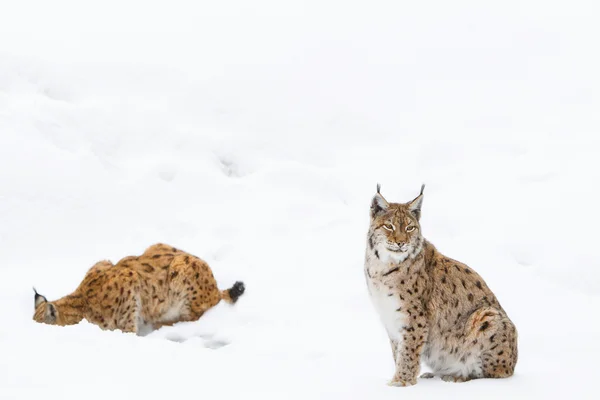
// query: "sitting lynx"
[[432, 306], [161, 287]]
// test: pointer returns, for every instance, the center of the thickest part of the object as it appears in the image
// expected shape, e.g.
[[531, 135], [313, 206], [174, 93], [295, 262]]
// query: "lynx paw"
[[401, 382], [427, 375]]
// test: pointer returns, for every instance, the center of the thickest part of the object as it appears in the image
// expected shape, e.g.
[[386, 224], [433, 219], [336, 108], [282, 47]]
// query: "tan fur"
[[434, 308], [161, 287]]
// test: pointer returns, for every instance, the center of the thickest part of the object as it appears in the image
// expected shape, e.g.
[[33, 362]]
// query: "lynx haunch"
[[432, 307], [161, 287]]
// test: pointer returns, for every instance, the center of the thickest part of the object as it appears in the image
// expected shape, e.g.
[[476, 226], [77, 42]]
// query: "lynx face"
[[45, 312], [395, 231]]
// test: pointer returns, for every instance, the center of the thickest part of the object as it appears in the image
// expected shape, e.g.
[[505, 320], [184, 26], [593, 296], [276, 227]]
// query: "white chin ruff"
[[393, 256]]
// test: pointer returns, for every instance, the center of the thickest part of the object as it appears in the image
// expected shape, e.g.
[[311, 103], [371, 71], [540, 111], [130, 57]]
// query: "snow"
[[253, 134]]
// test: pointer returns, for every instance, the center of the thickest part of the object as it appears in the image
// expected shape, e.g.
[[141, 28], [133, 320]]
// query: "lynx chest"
[[387, 302]]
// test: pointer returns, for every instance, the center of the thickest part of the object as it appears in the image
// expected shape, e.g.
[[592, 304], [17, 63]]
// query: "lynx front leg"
[[408, 354], [394, 344], [129, 319], [130, 322]]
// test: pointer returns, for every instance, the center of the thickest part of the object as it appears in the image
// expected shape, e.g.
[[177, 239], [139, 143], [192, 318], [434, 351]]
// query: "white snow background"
[[252, 134]]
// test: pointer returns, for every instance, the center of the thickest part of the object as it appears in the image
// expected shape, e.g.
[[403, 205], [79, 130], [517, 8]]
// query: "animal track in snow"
[[229, 167], [208, 340]]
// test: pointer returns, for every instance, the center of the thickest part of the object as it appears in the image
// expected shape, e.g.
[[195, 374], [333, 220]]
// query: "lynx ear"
[[415, 205], [39, 299], [378, 204]]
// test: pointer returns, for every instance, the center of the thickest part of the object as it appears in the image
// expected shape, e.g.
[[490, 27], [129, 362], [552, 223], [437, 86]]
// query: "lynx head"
[[45, 312], [395, 232]]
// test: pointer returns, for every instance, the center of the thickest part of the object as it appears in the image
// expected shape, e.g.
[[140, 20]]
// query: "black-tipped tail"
[[232, 294]]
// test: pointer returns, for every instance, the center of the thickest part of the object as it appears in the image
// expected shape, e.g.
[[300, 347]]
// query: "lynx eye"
[[410, 228], [389, 227]]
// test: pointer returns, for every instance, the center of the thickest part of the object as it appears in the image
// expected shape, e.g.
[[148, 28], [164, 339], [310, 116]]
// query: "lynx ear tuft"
[[38, 299], [415, 205]]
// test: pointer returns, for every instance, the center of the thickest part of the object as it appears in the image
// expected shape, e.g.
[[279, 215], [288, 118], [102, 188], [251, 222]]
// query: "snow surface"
[[252, 134]]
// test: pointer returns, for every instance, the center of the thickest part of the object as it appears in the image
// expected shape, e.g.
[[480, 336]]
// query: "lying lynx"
[[161, 287], [432, 306]]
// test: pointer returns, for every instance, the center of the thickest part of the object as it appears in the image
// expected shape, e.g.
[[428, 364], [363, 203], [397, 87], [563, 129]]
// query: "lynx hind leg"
[[500, 359], [496, 337], [192, 277], [207, 297]]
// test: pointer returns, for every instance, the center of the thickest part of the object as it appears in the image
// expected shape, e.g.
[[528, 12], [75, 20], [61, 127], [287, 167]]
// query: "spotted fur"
[[433, 308], [161, 287]]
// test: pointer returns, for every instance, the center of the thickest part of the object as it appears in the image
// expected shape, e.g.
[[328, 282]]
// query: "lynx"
[[161, 287], [432, 307]]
